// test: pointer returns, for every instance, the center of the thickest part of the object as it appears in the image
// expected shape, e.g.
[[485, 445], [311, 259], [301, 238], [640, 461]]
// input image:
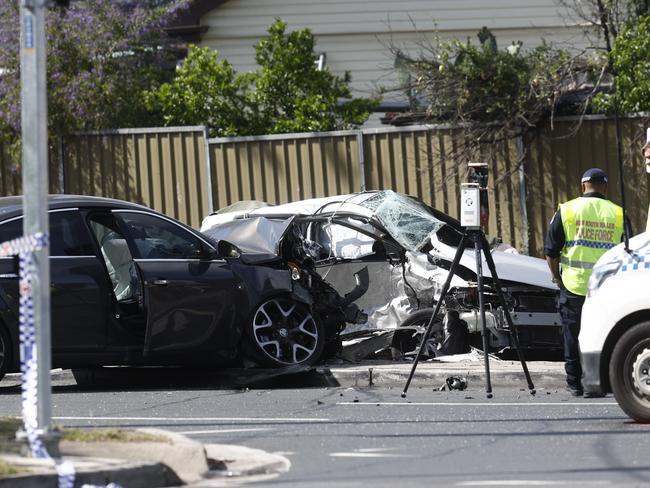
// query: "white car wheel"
[[629, 372]]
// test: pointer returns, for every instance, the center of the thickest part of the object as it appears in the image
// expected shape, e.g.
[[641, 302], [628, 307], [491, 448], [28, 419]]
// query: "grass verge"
[[110, 435], [8, 428], [7, 469], [9, 445]]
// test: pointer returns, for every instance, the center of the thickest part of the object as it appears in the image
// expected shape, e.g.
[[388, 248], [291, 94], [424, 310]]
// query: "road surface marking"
[[480, 404], [205, 419], [221, 431], [525, 483], [369, 452], [366, 455], [377, 449]]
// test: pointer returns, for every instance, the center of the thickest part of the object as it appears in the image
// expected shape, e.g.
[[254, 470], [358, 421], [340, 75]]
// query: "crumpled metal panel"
[[258, 238], [259, 281], [394, 293]]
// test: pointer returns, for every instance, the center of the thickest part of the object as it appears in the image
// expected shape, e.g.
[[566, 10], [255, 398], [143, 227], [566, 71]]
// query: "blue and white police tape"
[[25, 247]]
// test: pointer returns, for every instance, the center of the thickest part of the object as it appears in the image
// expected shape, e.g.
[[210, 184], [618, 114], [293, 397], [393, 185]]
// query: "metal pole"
[[621, 174], [35, 186], [478, 250], [61, 166], [521, 153], [362, 160], [208, 163]]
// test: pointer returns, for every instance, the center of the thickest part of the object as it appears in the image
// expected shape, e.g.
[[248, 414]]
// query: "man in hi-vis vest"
[[581, 231]]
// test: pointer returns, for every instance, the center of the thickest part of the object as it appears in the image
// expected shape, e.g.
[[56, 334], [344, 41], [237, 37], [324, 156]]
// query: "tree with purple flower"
[[102, 55]]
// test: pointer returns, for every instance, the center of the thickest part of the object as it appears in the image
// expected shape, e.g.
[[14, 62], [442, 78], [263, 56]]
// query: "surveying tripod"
[[481, 247]]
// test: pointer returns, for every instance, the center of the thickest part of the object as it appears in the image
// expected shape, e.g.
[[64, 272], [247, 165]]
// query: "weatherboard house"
[[357, 35]]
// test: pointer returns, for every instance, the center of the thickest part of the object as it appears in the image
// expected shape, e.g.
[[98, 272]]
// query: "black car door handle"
[[160, 282]]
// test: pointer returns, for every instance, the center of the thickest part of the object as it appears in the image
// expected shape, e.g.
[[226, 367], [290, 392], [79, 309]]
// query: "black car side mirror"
[[227, 250]]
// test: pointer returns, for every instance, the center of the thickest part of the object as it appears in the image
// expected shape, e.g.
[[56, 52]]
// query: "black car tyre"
[[5, 352], [404, 341], [422, 318], [283, 332], [629, 372]]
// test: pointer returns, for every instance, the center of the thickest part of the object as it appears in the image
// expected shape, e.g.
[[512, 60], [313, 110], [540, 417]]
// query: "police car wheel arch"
[[629, 372]]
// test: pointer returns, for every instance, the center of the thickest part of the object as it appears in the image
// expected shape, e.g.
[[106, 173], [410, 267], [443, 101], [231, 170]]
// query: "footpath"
[[175, 460]]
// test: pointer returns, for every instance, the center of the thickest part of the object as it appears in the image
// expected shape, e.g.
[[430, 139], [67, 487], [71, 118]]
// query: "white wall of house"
[[355, 34]]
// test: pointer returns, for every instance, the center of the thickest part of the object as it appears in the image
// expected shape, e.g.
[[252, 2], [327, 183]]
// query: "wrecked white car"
[[399, 250]]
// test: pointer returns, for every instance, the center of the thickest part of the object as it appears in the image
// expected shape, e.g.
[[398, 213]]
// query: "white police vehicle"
[[615, 332]]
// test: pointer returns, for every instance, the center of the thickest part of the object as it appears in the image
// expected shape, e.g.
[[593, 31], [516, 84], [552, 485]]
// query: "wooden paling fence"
[[181, 172]]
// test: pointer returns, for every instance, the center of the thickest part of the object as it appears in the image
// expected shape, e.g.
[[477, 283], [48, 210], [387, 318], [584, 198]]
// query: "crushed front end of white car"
[[407, 248]]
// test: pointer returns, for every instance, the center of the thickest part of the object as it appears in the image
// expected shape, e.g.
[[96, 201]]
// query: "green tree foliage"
[[624, 45], [492, 94], [607, 17], [101, 56], [291, 95], [462, 82], [205, 91], [630, 64], [287, 93]]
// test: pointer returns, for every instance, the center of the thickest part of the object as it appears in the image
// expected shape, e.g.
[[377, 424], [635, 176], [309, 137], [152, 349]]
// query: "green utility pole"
[[35, 188]]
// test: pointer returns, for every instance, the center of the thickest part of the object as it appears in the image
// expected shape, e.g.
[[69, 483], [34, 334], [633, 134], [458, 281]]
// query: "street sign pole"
[[35, 188]]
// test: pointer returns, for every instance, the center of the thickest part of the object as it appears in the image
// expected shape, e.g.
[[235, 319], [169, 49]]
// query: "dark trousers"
[[570, 311]]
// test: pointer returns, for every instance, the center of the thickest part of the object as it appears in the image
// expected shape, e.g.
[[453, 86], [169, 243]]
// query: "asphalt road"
[[338, 437]]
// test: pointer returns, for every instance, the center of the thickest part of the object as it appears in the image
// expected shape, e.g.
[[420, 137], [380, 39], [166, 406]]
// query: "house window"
[[320, 62]]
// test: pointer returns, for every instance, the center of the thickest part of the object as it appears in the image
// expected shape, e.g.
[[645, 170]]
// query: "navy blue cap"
[[594, 174]]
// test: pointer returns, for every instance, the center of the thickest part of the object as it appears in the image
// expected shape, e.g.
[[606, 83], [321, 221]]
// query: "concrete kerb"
[[393, 374], [181, 462], [184, 457]]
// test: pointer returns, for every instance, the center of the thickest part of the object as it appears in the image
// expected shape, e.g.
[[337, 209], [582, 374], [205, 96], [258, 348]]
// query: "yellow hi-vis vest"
[[591, 227]]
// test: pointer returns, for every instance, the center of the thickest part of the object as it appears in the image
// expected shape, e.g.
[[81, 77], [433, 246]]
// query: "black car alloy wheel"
[[284, 332]]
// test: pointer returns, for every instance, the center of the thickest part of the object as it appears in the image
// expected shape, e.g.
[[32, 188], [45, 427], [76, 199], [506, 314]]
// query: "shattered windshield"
[[406, 219]]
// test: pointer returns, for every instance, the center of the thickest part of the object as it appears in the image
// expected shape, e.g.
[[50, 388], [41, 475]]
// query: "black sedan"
[[130, 286]]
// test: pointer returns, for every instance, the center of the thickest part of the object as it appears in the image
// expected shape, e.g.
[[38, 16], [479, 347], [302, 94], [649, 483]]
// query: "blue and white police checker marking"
[[591, 244], [636, 261], [25, 247]]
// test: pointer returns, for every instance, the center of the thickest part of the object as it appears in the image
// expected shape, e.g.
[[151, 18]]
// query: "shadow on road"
[[150, 378]]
